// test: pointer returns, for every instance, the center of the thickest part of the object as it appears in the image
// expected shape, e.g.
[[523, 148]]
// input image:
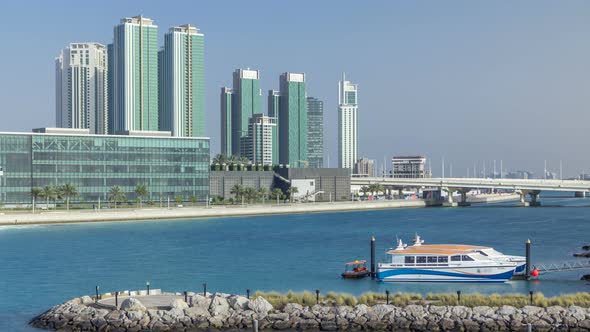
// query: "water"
[[46, 265]]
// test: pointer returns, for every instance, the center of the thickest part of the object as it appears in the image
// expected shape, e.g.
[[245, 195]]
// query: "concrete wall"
[[335, 182], [221, 182]]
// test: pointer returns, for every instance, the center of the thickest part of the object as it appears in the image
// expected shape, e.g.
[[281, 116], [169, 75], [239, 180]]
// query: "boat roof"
[[356, 262], [437, 249]]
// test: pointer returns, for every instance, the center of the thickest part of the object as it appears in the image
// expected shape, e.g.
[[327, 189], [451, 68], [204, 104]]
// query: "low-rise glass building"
[[167, 166]]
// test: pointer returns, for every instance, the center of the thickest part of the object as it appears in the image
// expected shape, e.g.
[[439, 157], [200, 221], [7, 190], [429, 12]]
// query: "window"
[[421, 259], [410, 259], [432, 259], [443, 259], [455, 258], [466, 258]]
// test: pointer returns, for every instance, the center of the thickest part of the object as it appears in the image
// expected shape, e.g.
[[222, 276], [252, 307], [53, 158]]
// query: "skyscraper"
[[110, 97], [274, 102], [347, 123], [227, 96], [81, 96], [246, 100], [258, 147], [182, 89], [293, 120], [315, 132], [135, 75]]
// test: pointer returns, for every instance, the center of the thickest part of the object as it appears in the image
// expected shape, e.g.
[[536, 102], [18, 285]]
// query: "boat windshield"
[[490, 252]]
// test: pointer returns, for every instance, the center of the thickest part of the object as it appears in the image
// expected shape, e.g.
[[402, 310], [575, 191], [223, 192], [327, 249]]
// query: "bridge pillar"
[[464, 201], [534, 196], [523, 201], [449, 202]]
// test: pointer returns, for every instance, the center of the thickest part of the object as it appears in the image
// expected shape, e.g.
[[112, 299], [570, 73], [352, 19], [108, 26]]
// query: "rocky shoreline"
[[224, 311]]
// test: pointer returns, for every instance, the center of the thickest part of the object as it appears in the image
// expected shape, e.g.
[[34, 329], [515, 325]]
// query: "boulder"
[[194, 312], [219, 307], [260, 305], [132, 304], [238, 303], [178, 304], [293, 308], [134, 315], [86, 300]]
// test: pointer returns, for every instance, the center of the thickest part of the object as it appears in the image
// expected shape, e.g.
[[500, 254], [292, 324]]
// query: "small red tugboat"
[[356, 269]]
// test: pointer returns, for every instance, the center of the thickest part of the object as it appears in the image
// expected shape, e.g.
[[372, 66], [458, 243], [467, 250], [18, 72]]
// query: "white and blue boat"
[[447, 263]]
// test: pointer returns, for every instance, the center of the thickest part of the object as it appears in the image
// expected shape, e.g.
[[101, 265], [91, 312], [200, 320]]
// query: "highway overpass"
[[530, 187]]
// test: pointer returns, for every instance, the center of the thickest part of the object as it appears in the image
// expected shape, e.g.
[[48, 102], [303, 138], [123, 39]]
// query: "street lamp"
[[147, 285]]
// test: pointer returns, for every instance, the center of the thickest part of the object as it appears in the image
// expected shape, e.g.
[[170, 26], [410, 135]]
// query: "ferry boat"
[[446, 263]]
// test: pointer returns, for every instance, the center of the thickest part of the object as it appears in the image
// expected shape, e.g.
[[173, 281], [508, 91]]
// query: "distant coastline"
[[110, 215]]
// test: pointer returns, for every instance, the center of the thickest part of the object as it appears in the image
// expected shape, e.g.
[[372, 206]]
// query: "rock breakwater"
[[224, 311]]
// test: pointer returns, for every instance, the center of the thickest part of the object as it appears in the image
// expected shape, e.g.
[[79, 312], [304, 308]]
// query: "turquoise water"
[[45, 265]]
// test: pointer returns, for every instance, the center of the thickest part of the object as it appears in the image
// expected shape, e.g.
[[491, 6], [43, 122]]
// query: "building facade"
[[293, 120], [135, 75], [409, 167], [182, 85], [258, 146], [347, 123], [222, 182], [81, 87], [168, 166], [226, 102], [247, 101], [331, 184], [364, 167], [315, 132]]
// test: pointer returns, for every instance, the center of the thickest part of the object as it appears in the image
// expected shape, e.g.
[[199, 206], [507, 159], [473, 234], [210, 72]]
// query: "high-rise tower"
[[347, 123], [135, 75], [315, 132], [292, 120], [81, 98], [182, 90]]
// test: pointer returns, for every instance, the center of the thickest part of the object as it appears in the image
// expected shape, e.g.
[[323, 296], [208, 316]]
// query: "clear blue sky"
[[467, 80]]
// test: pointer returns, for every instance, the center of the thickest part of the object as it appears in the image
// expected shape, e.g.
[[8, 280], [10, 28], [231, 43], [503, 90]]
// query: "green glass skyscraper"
[[226, 102], [293, 120], [246, 100], [182, 90], [135, 75]]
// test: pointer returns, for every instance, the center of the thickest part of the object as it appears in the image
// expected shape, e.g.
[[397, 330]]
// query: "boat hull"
[[484, 274]]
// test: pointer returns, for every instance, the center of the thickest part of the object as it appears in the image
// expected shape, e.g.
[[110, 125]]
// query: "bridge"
[[523, 187]]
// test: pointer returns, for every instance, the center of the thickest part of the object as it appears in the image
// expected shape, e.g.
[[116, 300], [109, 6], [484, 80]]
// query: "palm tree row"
[[251, 194], [67, 191], [372, 188]]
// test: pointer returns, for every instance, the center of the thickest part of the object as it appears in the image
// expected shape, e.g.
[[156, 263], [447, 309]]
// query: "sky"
[[467, 81]]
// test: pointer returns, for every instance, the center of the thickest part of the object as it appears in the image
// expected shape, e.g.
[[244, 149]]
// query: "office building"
[[226, 103], [364, 167], [246, 100], [81, 96], [293, 120], [347, 123], [258, 145], [168, 166], [409, 167], [274, 98], [135, 75], [110, 96], [182, 83], [315, 132]]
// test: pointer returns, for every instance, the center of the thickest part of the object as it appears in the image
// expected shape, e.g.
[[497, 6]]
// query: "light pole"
[[147, 286]]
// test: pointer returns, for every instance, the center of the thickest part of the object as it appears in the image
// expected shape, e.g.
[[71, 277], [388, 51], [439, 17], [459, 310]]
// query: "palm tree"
[[237, 190], [277, 193], [116, 194], [68, 190], [193, 199], [178, 199], [36, 193], [141, 191], [263, 192], [47, 192], [250, 193], [292, 191], [218, 161], [365, 190]]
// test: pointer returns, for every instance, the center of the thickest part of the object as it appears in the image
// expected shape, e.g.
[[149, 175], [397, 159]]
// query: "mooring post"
[[147, 285], [205, 289], [528, 260], [531, 295], [117, 300], [458, 296], [186, 296], [248, 293], [372, 257], [387, 296], [96, 299], [255, 325], [317, 296]]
